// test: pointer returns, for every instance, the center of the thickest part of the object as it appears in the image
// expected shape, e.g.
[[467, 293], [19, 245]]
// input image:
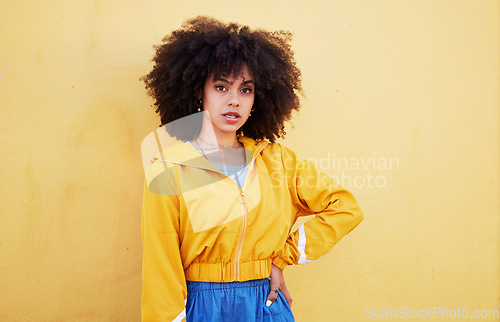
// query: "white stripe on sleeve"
[[181, 315], [302, 246]]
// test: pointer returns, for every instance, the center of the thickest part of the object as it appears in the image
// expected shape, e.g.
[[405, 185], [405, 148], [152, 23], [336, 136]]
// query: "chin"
[[230, 129]]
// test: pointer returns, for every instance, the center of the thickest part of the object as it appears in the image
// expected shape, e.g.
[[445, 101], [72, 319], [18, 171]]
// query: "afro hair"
[[205, 46]]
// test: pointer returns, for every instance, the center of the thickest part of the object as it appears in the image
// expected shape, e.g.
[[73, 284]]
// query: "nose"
[[233, 100]]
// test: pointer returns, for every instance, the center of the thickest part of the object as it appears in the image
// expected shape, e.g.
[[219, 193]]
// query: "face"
[[227, 102]]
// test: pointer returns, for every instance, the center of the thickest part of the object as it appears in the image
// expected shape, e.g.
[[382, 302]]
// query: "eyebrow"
[[226, 81]]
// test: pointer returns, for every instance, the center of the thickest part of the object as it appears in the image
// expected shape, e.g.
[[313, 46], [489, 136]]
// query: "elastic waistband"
[[204, 286]]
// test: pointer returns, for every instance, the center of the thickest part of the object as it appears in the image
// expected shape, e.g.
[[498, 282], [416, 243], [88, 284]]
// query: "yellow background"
[[415, 80]]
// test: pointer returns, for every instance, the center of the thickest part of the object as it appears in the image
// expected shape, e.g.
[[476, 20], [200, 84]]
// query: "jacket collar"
[[184, 154]]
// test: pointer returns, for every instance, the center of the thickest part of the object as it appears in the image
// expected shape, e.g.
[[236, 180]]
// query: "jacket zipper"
[[243, 201], [239, 247]]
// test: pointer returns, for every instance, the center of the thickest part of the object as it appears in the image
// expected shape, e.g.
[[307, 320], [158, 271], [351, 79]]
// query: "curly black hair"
[[204, 45]]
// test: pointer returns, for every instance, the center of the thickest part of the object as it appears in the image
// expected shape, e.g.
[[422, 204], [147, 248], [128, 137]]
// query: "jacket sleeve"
[[335, 211], [163, 281]]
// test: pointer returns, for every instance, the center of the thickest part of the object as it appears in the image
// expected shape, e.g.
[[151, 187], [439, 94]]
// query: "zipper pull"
[[242, 198]]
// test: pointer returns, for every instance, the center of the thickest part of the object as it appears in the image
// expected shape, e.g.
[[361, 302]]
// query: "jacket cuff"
[[278, 262]]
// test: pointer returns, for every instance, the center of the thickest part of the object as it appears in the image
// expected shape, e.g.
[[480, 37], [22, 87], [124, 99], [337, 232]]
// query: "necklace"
[[217, 145]]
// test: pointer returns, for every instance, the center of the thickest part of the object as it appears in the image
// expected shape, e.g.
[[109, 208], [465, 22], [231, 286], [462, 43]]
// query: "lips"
[[231, 117]]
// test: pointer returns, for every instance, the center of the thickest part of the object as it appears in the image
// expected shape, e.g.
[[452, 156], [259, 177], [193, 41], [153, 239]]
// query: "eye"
[[247, 90], [220, 88]]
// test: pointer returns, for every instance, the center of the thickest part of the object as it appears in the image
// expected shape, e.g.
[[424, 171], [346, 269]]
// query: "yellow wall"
[[415, 82]]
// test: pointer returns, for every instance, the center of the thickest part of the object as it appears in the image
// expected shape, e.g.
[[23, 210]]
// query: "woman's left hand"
[[278, 282]]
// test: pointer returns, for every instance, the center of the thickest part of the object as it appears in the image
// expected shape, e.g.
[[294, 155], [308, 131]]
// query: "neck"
[[221, 138]]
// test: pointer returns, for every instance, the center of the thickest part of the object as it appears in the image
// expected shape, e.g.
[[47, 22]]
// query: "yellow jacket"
[[198, 225]]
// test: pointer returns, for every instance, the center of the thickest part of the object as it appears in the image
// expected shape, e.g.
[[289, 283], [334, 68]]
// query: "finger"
[[287, 296], [271, 297]]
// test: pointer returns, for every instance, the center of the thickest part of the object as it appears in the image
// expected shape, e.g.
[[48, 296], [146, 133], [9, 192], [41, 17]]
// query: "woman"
[[221, 196]]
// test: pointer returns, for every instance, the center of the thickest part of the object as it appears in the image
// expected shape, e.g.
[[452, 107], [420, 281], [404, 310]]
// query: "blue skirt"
[[235, 301]]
